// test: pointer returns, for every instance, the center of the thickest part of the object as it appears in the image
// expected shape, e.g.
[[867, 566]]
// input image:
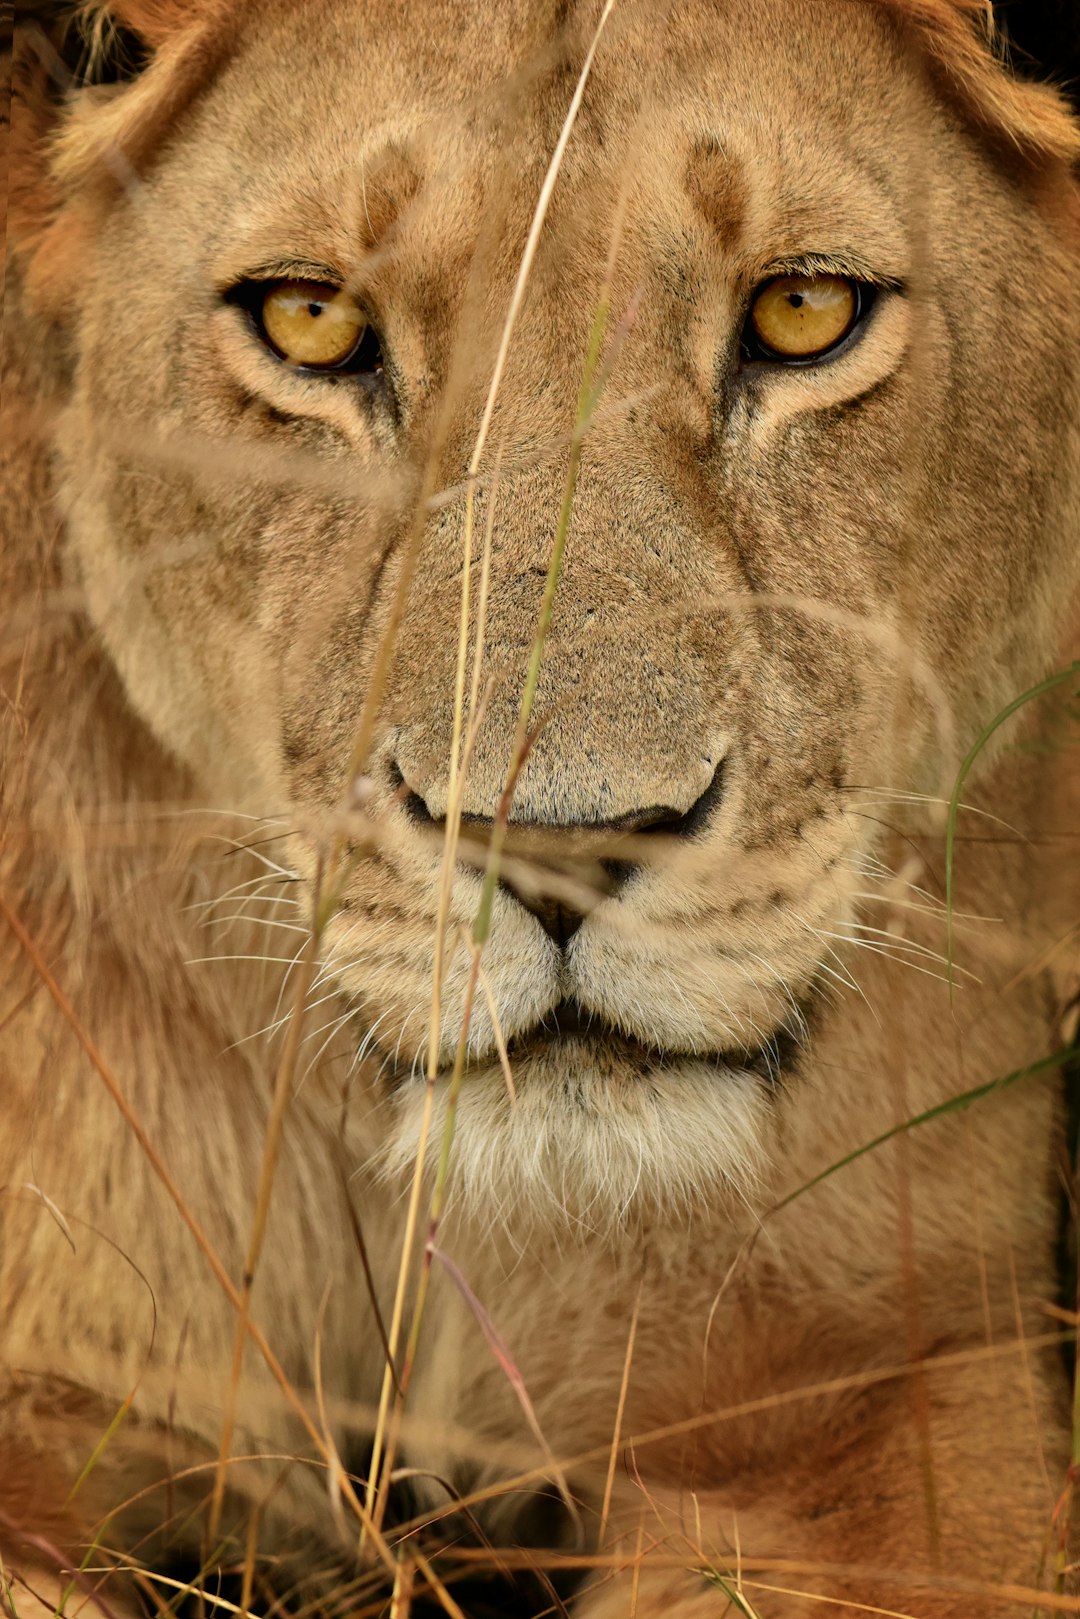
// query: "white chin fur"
[[588, 1151]]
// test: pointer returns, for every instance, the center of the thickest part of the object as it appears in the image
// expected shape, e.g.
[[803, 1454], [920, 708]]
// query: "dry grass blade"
[[401, 1600], [616, 1435], [376, 1501], [53, 1557], [508, 1366], [437, 1196], [599, 1455], [519, 747], [335, 1472], [497, 1032], [954, 1104], [203, 1243], [271, 1150], [1004, 1593]]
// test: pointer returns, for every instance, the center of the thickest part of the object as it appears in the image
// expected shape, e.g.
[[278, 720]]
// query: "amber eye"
[[316, 325], [800, 317]]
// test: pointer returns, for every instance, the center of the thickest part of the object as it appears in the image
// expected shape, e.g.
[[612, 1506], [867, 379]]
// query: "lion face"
[[789, 576]]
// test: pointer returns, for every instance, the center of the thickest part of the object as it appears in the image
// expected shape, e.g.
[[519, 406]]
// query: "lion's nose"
[[561, 919], [589, 849]]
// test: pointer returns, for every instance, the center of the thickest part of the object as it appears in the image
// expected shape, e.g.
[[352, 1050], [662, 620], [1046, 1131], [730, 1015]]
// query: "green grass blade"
[[101, 1446], [972, 755], [735, 1597], [954, 1104]]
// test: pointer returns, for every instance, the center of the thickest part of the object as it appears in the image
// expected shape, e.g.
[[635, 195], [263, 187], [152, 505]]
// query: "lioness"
[[514, 516]]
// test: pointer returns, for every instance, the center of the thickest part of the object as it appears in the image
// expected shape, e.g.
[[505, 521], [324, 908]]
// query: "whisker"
[[199, 961], [841, 973], [892, 953], [368, 1041], [262, 880], [936, 908], [253, 921], [333, 1026], [250, 848], [898, 939]]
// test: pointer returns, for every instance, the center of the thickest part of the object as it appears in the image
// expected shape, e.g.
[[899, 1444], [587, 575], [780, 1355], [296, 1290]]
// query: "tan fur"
[[829, 579]]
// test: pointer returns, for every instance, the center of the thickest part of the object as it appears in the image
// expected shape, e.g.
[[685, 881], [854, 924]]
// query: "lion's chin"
[[595, 1139]]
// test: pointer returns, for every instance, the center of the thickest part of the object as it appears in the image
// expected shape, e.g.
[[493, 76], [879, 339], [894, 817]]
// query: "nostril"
[[699, 812], [660, 819], [619, 873], [657, 818], [609, 871], [663, 818], [416, 809], [411, 802], [664, 821]]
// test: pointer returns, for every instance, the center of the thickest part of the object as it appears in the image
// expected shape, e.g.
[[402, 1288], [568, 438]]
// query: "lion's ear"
[[155, 22], [97, 88], [1043, 38], [151, 25]]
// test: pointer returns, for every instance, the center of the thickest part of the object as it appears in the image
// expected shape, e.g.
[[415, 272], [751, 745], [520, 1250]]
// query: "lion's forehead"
[[766, 125]]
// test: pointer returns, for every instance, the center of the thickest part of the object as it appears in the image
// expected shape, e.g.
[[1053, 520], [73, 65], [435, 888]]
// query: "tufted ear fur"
[[1044, 40], [155, 22], [96, 87]]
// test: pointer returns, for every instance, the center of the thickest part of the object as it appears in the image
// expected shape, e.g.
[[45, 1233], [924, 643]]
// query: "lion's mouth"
[[570, 1038], [569, 1025]]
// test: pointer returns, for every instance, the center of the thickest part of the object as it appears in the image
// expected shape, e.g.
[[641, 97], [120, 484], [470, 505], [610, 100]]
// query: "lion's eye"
[[802, 317], [318, 326]]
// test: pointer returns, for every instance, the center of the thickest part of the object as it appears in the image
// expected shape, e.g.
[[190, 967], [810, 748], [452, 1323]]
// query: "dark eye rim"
[[365, 359], [755, 351]]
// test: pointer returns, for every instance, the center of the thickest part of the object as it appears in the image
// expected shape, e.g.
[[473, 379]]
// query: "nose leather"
[[560, 919]]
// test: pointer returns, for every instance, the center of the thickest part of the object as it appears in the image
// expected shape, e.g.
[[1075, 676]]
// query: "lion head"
[[766, 315]]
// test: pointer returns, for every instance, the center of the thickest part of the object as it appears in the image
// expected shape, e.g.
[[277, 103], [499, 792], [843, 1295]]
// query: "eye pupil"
[[313, 325], [799, 318]]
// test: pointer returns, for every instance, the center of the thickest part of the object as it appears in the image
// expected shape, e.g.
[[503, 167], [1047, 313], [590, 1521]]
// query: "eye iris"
[[797, 317], [312, 324]]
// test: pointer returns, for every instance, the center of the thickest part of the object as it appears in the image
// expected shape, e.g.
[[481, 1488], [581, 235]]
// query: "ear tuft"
[[69, 153], [111, 52], [152, 22], [75, 42]]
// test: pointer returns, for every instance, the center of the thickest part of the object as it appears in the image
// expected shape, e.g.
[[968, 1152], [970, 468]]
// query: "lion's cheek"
[[196, 672]]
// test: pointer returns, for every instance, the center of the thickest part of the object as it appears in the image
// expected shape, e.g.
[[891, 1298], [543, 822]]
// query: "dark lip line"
[[569, 1020], [774, 1061]]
